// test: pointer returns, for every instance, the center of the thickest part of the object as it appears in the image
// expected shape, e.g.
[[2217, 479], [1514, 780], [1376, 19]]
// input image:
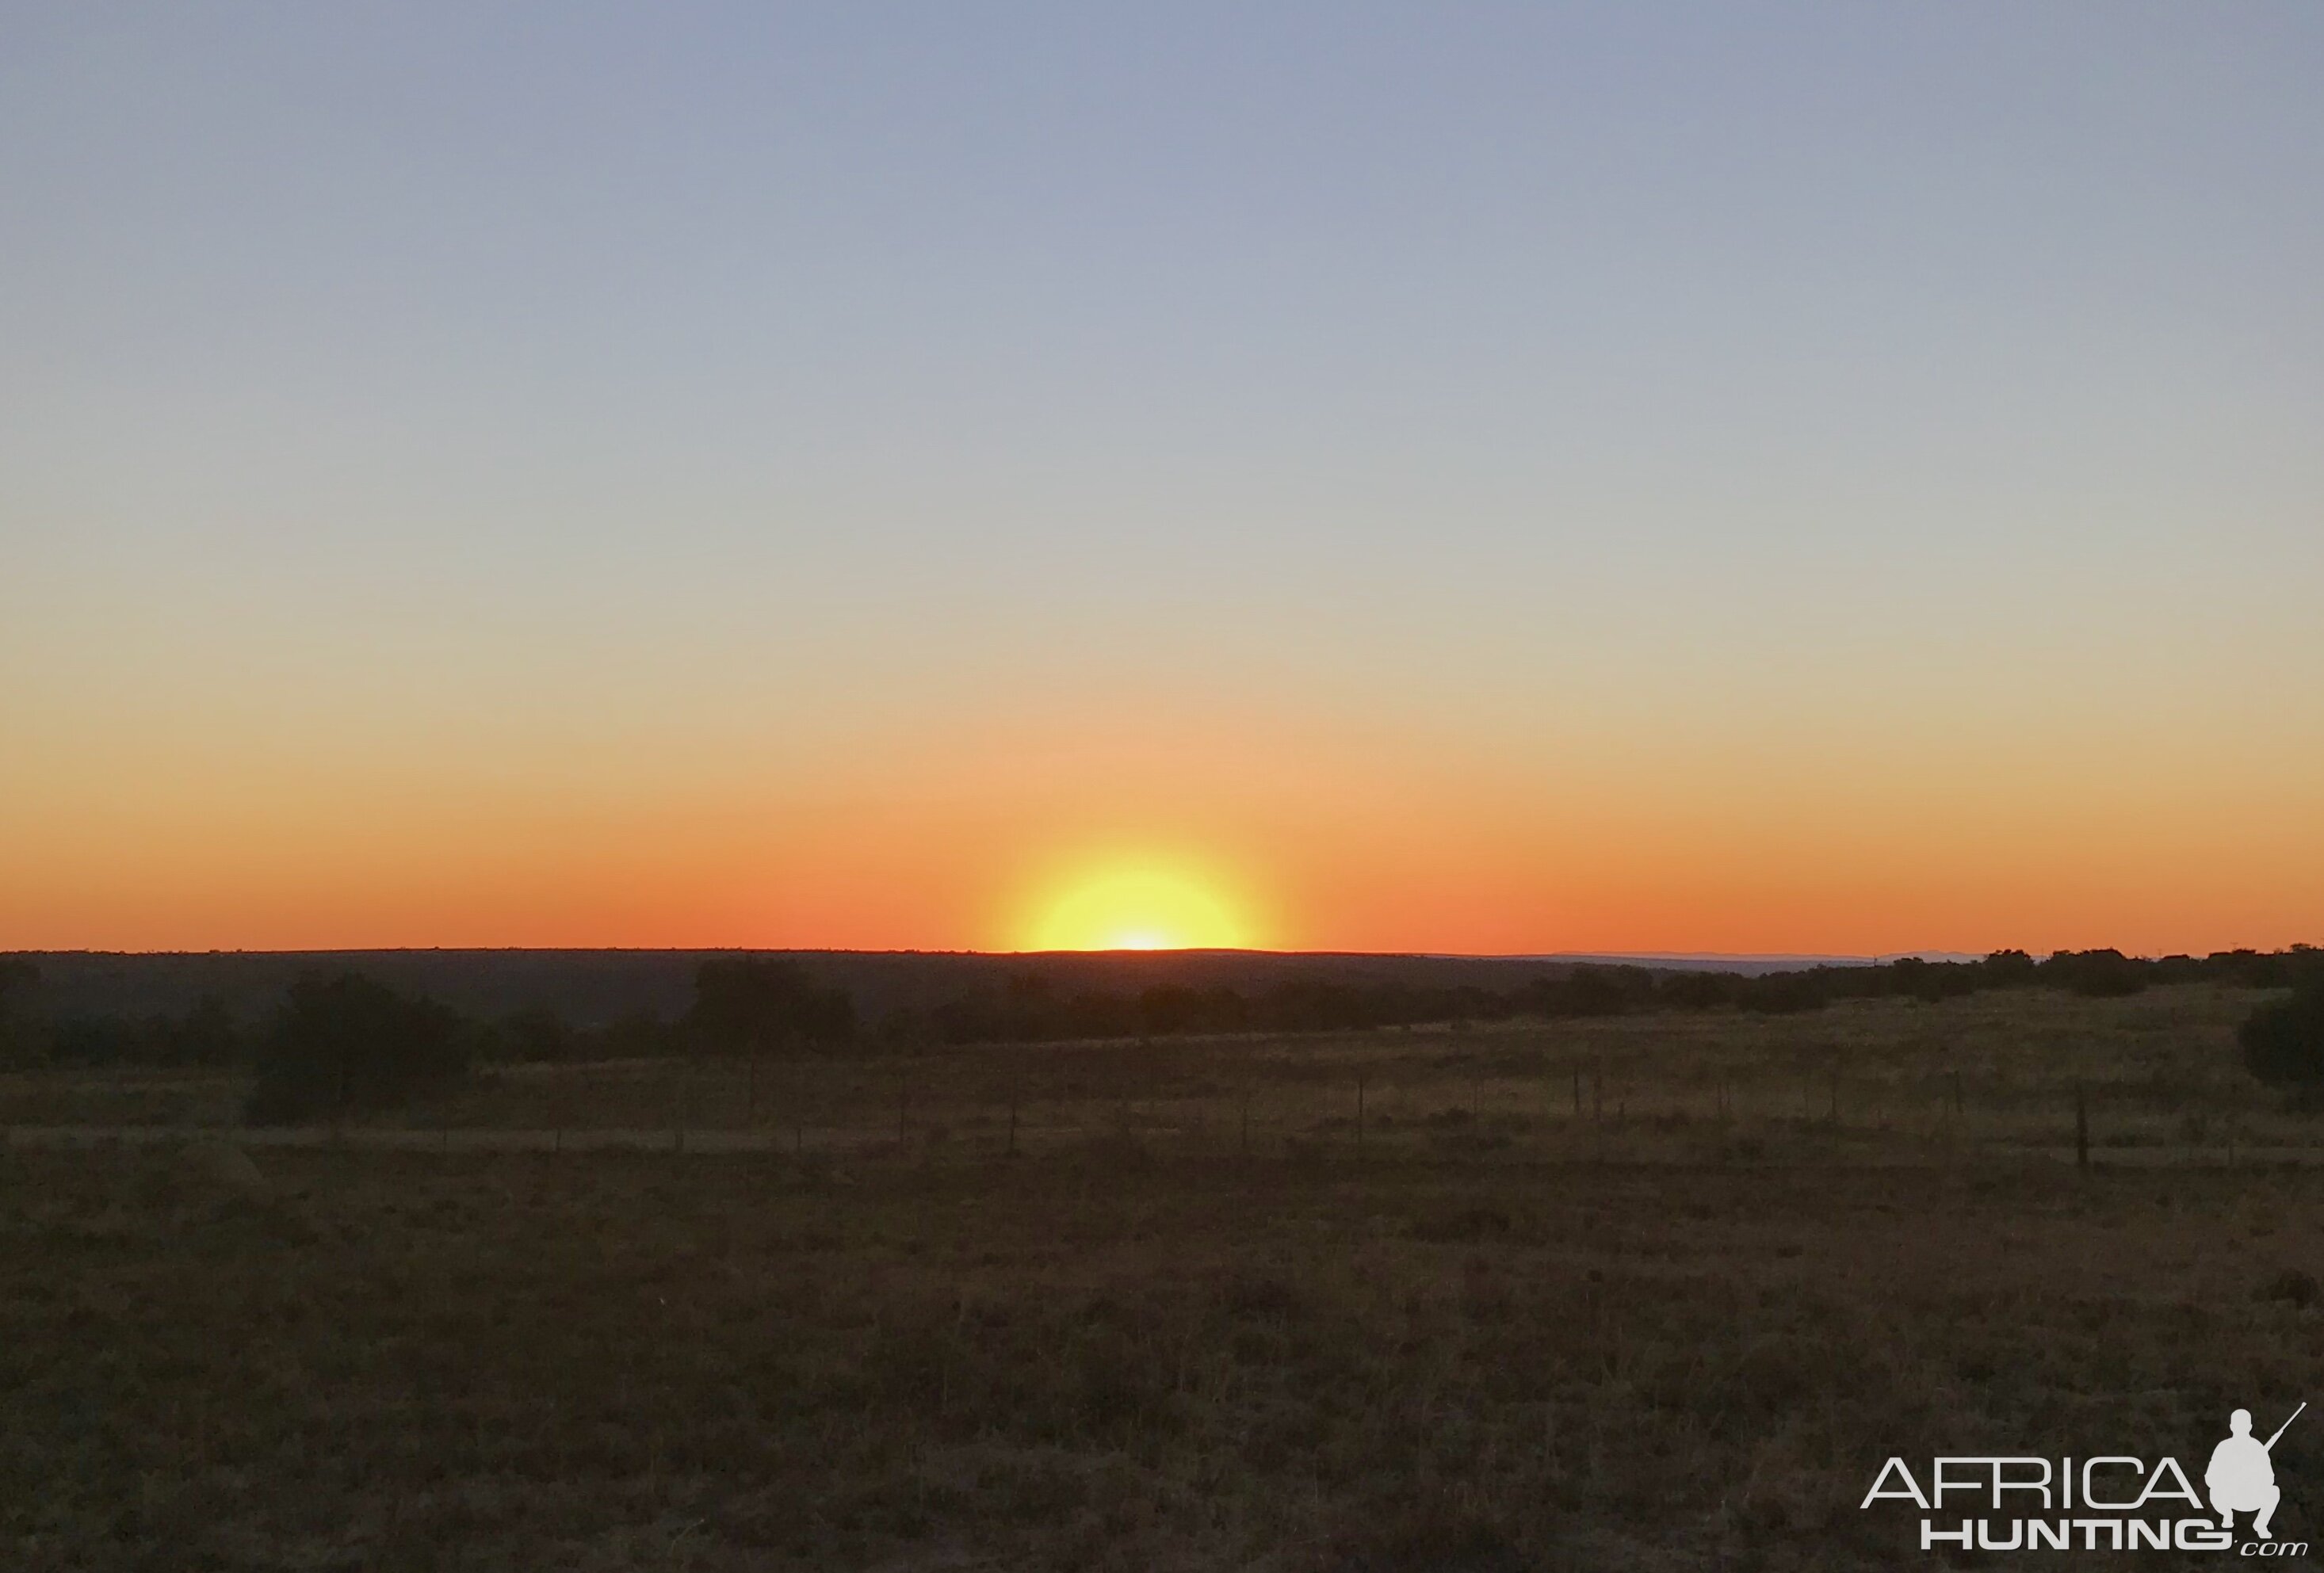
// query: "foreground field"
[[1866, 1081], [1094, 1360], [1134, 1345]]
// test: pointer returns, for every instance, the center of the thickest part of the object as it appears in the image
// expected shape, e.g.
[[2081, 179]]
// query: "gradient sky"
[[1722, 477]]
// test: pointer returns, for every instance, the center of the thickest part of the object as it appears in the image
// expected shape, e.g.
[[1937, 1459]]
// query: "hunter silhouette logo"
[[2242, 1475], [2105, 1501]]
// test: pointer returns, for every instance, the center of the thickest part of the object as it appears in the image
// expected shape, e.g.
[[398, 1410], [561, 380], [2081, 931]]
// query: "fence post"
[[903, 1104], [2082, 1127], [1359, 1116], [1577, 1090], [751, 1098], [1012, 1121], [1244, 1146]]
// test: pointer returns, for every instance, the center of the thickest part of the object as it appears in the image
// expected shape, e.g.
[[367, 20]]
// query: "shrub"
[[20, 1039], [2102, 974], [754, 1005], [1785, 994], [346, 1043], [535, 1034], [206, 1034], [2009, 969], [2283, 1042], [2292, 1284]]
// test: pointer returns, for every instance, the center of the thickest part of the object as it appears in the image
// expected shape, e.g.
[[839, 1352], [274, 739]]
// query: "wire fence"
[[1309, 1109]]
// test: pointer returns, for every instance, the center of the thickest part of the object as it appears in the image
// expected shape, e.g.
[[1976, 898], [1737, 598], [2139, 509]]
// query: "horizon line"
[[1805, 957]]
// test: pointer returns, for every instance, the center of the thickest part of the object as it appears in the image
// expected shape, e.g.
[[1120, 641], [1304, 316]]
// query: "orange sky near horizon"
[[1307, 837]]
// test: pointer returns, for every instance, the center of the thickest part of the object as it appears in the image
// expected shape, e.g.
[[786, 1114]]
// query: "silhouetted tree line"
[[1029, 1009], [350, 1043], [347, 1043], [344, 1044], [205, 1035]]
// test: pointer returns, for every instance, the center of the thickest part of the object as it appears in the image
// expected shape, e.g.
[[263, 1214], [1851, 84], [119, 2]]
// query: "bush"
[[345, 1045], [206, 1034], [2102, 974], [2283, 1042], [536, 1035], [2009, 969], [756, 1005], [96, 1040], [1785, 994], [20, 1038]]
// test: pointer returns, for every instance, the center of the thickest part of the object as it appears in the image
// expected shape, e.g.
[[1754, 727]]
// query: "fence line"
[[1717, 1117]]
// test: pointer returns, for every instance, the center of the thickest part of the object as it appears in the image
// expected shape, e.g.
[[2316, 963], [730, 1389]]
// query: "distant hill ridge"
[[594, 987]]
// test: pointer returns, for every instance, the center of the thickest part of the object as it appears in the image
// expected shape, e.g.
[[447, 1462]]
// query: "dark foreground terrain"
[[1131, 1349]]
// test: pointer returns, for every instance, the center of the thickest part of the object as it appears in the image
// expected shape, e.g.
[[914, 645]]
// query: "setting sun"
[[1137, 907]]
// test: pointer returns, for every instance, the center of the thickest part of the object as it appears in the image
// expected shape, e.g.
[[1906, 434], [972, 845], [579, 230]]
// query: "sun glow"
[[1137, 908]]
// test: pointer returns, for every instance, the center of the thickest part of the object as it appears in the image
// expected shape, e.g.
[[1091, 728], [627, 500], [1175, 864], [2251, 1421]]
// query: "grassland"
[[1679, 1331]]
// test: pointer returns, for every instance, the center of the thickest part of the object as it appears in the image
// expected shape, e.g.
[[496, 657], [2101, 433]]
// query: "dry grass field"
[[1681, 1331], [1867, 1081]]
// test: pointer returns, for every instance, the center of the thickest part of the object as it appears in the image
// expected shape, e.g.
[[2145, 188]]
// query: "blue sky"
[[549, 388]]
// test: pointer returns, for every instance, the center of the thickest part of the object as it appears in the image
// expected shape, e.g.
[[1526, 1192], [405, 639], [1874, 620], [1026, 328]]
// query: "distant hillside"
[[596, 986], [1749, 966]]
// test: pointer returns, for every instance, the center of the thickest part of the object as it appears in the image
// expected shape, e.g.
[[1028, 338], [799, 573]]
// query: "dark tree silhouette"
[[1786, 993], [1606, 991], [2009, 969], [2283, 1042], [204, 1035], [346, 1043], [2104, 974], [761, 1005], [1699, 990], [537, 1035], [20, 981]]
